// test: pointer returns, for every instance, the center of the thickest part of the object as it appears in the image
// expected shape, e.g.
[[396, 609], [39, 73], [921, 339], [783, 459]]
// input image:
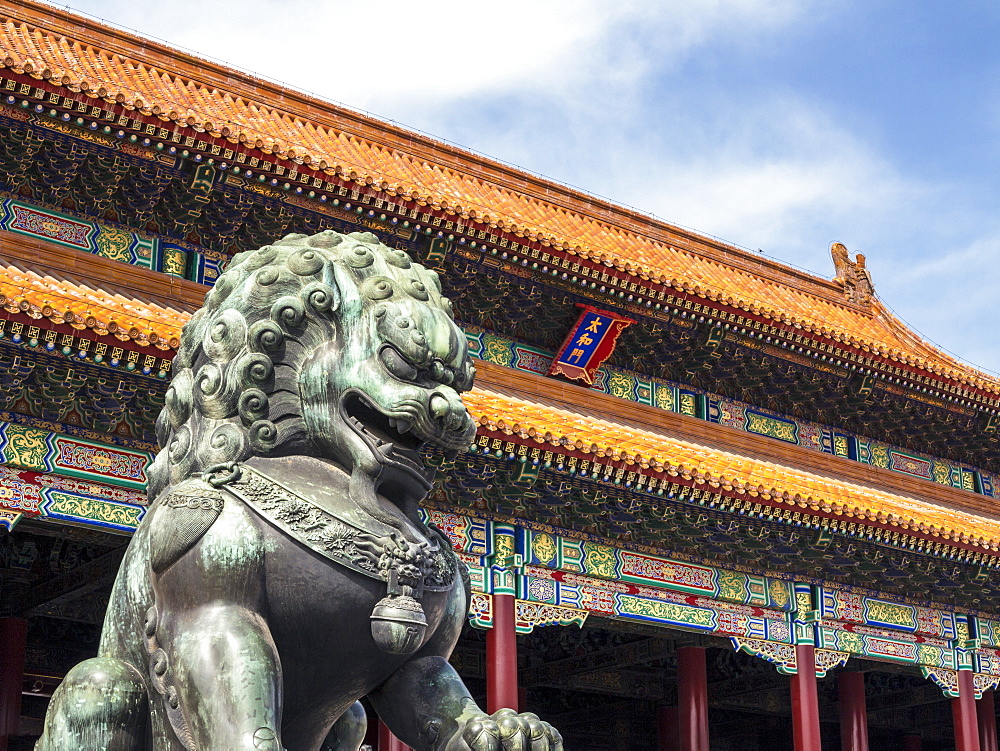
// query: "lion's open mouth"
[[392, 438]]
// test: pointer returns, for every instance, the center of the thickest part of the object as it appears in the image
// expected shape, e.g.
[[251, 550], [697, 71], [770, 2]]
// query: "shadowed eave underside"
[[610, 432]]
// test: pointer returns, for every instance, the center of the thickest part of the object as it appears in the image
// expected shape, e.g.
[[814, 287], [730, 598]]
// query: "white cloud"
[[767, 171], [390, 55], [949, 296], [778, 176]]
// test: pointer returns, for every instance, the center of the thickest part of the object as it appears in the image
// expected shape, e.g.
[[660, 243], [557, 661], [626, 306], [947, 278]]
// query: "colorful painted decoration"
[[589, 344], [42, 451], [67, 499], [685, 400], [87, 235], [556, 579]]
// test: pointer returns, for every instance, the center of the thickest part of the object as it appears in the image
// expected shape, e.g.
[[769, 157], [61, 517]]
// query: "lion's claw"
[[482, 735], [506, 730]]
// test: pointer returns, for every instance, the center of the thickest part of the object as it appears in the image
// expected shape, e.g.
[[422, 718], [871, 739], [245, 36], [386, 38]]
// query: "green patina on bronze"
[[282, 571]]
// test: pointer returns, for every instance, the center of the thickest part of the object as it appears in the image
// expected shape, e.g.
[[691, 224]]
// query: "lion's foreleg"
[[422, 703], [428, 707], [101, 705], [213, 662], [225, 678], [426, 704]]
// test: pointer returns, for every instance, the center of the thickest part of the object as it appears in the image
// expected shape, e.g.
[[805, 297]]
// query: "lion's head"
[[331, 345]]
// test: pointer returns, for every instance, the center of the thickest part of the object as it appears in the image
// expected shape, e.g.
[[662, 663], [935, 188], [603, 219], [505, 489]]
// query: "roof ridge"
[[372, 127]]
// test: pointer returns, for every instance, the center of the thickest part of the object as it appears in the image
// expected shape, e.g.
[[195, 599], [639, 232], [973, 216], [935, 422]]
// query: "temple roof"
[[105, 64], [91, 293], [788, 481], [80, 295]]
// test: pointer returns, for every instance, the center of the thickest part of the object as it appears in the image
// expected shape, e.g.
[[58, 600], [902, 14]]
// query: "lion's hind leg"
[[348, 732], [101, 705]]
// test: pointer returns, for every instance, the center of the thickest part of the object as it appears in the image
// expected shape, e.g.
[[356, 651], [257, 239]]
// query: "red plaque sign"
[[590, 342]]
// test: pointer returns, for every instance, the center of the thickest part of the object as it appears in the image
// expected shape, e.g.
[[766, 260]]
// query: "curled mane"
[[235, 389]]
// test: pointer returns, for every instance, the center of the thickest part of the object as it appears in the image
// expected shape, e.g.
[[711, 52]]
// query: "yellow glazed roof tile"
[[113, 66], [104, 310], [730, 471], [108, 310]]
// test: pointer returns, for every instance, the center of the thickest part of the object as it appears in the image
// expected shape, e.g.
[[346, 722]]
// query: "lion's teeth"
[[385, 448], [403, 426]]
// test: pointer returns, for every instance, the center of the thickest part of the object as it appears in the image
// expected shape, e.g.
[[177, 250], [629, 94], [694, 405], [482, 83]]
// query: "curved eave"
[[612, 435], [148, 79], [72, 288], [539, 412]]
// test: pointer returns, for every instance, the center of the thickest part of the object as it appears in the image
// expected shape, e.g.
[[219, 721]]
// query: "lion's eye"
[[463, 377], [396, 364]]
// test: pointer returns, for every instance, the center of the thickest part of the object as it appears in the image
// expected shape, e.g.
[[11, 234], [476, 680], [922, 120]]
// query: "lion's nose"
[[447, 413], [439, 407]]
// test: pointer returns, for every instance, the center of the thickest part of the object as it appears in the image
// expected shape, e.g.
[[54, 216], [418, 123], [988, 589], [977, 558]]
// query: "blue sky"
[[780, 125]]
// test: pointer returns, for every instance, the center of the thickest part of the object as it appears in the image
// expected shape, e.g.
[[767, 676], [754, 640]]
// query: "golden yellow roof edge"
[[962, 372], [792, 496], [908, 513], [548, 191], [83, 276], [567, 397]]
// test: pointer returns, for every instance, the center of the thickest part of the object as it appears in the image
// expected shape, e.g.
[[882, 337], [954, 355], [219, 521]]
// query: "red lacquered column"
[[13, 641], [692, 696], [666, 729], [853, 715], [501, 656], [912, 743], [805, 703], [387, 741], [986, 713], [963, 713]]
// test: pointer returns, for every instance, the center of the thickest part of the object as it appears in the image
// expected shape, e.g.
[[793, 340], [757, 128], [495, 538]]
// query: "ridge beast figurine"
[[282, 572]]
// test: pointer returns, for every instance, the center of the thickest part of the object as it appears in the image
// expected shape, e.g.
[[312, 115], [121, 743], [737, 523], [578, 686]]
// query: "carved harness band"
[[416, 565], [407, 568]]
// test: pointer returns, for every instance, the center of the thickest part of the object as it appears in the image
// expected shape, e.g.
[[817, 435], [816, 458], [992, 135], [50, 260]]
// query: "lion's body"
[[281, 572], [322, 675]]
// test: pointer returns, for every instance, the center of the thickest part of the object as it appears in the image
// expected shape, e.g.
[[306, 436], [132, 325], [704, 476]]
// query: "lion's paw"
[[505, 730]]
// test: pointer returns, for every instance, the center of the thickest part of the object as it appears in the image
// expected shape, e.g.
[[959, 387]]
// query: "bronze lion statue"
[[282, 571]]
